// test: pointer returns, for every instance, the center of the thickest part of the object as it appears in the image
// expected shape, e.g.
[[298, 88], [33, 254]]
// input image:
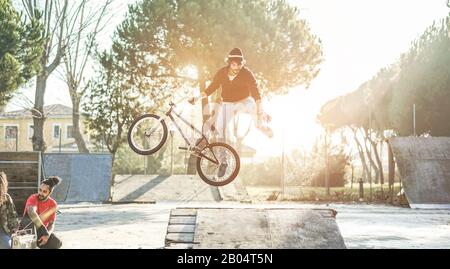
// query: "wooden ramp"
[[253, 228], [181, 228]]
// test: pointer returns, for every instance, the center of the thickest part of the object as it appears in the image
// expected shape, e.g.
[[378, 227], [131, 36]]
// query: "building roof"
[[50, 111]]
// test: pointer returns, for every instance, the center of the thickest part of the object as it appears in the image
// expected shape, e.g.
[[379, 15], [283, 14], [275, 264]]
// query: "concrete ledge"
[[430, 206]]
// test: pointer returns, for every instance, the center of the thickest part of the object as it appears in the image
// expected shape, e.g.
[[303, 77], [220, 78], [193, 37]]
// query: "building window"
[[56, 131], [69, 131], [11, 132], [30, 131]]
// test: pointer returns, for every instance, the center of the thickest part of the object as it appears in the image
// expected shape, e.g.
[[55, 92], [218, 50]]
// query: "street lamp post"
[[414, 119], [327, 167], [171, 151], [60, 140], [17, 139], [282, 165]]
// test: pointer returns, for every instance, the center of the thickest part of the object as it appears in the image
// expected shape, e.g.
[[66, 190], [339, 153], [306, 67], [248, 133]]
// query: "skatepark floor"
[[144, 225]]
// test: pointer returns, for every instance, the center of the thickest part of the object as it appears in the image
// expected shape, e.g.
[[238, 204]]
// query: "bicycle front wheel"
[[147, 134], [219, 164]]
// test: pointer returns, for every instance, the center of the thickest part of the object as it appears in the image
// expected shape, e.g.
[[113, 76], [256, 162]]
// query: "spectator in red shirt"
[[40, 209]]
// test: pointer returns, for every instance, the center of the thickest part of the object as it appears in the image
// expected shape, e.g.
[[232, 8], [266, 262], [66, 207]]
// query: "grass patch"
[[376, 194]]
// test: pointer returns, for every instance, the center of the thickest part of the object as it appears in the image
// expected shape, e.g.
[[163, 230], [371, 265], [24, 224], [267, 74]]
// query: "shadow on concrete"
[[143, 189]]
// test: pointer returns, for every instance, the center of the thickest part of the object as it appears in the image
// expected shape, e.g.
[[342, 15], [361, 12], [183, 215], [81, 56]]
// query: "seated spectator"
[[8, 215]]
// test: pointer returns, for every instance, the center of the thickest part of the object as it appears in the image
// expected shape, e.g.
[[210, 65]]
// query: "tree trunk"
[[113, 155], [76, 121], [371, 161], [377, 158], [76, 131], [38, 114], [361, 154], [111, 181]]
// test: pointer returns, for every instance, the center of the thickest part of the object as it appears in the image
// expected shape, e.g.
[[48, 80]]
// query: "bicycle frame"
[[196, 151]]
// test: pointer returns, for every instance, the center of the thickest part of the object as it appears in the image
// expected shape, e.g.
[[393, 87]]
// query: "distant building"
[[16, 130]]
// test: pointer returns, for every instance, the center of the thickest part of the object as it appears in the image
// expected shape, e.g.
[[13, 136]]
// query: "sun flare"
[[189, 71], [293, 122]]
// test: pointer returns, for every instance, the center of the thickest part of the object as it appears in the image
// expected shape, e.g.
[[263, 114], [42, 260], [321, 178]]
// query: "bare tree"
[[54, 14], [66, 26], [86, 23]]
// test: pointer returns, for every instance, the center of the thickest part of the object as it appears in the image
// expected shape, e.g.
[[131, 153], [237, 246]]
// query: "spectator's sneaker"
[[222, 169]]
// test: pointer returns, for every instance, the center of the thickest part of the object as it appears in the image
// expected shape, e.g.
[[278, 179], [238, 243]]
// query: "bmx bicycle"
[[217, 163]]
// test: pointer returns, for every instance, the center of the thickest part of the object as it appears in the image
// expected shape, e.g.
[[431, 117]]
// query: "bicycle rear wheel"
[[221, 165], [147, 134]]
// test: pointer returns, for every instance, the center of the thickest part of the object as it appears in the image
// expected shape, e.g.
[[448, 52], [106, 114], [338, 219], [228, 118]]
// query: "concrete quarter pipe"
[[424, 167]]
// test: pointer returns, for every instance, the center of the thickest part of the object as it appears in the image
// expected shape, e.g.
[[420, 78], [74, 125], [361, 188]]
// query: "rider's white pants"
[[228, 110]]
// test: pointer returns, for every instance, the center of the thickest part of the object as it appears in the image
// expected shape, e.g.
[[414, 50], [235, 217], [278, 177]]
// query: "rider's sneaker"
[[265, 130], [222, 169], [263, 124]]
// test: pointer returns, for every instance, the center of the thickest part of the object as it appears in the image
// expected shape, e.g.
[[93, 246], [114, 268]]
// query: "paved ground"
[[145, 225]]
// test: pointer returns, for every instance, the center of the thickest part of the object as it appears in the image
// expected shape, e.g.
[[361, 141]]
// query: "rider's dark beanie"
[[236, 54]]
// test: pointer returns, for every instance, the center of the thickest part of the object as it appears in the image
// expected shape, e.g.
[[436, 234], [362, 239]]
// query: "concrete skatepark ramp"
[[181, 188], [253, 228], [424, 167], [153, 188], [85, 177]]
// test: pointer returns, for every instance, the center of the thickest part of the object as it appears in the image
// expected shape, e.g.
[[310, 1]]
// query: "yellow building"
[[16, 130]]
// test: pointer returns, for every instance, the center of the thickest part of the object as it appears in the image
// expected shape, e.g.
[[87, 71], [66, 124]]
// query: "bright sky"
[[359, 37]]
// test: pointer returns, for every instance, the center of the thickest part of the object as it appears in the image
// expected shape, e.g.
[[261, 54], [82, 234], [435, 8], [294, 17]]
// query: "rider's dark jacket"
[[242, 86]]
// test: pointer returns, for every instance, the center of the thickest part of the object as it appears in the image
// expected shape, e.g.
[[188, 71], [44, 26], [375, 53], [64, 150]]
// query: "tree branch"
[[61, 46]]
